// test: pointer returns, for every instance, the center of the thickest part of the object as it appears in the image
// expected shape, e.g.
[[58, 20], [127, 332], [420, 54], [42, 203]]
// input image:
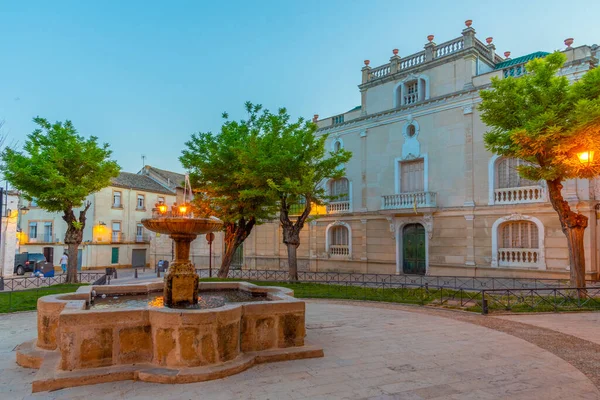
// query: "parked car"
[[28, 262]]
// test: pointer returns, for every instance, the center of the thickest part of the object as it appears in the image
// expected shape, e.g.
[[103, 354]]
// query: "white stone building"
[[421, 193]]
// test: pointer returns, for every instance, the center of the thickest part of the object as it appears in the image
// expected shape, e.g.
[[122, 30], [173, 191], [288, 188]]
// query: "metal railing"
[[22, 294], [471, 294], [32, 282], [542, 299], [455, 282]]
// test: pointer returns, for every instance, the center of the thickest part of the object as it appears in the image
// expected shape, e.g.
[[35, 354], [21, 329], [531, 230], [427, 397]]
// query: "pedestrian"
[[63, 262]]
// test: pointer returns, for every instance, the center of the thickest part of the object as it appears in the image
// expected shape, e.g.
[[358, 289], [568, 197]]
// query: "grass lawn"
[[26, 300], [405, 295], [447, 298]]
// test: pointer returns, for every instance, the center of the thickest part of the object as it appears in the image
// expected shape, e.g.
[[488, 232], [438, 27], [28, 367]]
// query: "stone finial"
[[468, 23], [489, 40], [568, 42], [430, 38], [507, 54], [367, 62], [395, 51], [315, 117]]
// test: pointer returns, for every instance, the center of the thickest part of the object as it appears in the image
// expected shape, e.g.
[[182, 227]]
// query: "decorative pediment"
[[517, 217]]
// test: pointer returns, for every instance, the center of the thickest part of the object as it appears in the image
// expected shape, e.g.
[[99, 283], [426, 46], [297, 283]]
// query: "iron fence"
[[22, 294], [471, 294], [32, 282], [455, 282], [545, 299]]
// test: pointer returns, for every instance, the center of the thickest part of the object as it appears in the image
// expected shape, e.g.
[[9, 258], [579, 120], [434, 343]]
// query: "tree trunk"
[[573, 226], [292, 262], [230, 248], [72, 263], [73, 238], [235, 234], [291, 234]]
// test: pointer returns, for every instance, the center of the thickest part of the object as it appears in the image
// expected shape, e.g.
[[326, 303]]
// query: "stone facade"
[[419, 163]]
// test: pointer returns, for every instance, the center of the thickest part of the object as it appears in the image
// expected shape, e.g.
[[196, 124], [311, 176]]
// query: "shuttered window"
[[412, 176]]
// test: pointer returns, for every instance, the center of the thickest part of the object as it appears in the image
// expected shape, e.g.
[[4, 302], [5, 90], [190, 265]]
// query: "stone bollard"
[[135, 275], [115, 273], [158, 272]]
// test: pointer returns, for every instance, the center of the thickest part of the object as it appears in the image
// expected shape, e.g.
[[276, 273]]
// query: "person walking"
[[63, 262]]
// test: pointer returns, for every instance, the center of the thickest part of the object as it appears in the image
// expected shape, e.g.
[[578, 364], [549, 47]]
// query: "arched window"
[[508, 174], [337, 146], [339, 188], [339, 239], [507, 187], [518, 241]]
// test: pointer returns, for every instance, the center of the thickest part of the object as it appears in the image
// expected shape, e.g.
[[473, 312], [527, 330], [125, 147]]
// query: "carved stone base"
[[181, 285]]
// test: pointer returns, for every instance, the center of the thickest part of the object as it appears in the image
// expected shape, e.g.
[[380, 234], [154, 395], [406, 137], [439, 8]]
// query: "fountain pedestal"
[[181, 279]]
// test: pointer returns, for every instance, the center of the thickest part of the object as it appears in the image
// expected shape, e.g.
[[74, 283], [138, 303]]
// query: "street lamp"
[[586, 157], [24, 210]]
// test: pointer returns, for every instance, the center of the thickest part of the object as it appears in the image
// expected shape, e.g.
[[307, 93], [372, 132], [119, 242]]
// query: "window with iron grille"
[[339, 187], [508, 174], [520, 235], [339, 236]]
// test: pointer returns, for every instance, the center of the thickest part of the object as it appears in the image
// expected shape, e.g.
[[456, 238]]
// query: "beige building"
[[421, 193], [113, 235]]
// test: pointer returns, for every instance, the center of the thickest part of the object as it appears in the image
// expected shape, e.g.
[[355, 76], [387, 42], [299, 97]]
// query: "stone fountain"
[[181, 279], [109, 333]]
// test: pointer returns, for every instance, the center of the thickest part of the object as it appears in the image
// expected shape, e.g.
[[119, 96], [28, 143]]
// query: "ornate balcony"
[[519, 195], [516, 257], [337, 207], [408, 200], [336, 250]]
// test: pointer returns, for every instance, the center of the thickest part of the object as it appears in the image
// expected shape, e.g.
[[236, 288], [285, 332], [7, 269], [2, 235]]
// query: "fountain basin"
[[78, 346], [182, 225]]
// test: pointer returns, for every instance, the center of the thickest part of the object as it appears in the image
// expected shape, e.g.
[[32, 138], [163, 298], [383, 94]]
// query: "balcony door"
[[412, 178], [413, 250]]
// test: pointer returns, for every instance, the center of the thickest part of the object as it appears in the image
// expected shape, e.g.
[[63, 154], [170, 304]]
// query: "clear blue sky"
[[144, 75]]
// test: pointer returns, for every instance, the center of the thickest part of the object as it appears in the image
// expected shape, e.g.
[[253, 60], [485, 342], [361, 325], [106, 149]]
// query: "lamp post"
[[210, 237]]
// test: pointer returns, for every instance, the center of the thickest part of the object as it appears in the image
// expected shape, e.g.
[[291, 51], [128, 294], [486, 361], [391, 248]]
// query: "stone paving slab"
[[370, 353], [582, 325]]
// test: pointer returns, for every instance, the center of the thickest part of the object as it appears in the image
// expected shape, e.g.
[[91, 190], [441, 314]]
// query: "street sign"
[[210, 237]]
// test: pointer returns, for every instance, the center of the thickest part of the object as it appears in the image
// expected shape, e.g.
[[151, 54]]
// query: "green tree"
[[60, 168], [296, 165], [218, 166], [546, 121]]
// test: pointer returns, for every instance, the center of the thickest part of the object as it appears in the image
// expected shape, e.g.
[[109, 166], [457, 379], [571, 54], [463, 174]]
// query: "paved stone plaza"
[[372, 351]]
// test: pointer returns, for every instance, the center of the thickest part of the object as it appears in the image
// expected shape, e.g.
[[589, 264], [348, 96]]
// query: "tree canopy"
[[218, 166], [293, 160], [543, 119], [58, 167]]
